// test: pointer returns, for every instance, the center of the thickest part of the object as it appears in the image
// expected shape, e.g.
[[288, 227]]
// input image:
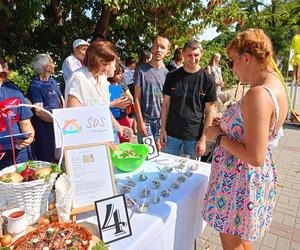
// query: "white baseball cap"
[[79, 42]]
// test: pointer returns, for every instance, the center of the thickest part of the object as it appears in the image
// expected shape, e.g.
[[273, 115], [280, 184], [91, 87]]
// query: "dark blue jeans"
[[177, 146]]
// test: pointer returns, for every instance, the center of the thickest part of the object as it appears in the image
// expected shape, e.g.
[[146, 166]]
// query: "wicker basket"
[[32, 195]]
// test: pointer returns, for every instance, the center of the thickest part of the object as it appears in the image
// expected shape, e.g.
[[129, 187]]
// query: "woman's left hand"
[[212, 132]]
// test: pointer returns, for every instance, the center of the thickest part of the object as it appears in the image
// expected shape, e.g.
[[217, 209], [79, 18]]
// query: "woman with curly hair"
[[241, 193]]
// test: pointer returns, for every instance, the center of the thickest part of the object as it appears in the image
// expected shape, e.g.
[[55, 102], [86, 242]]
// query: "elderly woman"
[[22, 145], [241, 193], [44, 92], [88, 85]]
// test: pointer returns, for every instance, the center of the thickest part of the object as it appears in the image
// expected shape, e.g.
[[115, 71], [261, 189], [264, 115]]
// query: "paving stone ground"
[[285, 228]]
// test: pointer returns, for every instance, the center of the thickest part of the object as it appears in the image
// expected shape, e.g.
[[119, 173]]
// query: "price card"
[[150, 142], [113, 220]]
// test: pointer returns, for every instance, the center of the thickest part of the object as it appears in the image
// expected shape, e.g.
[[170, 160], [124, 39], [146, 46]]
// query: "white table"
[[175, 222]]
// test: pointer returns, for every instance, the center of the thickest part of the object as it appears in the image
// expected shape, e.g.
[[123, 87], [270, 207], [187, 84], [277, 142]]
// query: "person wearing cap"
[[74, 61]]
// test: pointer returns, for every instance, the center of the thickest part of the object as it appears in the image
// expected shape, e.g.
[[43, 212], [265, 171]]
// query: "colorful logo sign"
[[71, 127]]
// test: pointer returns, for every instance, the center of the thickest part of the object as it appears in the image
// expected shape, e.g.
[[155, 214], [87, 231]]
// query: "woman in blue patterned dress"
[[242, 188]]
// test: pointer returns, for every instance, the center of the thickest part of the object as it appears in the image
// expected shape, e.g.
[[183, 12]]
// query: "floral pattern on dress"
[[240, 198]]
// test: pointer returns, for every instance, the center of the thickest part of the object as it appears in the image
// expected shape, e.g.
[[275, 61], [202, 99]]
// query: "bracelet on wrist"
[[218, 139]]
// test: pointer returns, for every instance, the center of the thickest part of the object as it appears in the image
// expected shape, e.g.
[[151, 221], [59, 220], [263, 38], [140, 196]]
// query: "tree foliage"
[[47, 24], [39, 26], [279, 20]]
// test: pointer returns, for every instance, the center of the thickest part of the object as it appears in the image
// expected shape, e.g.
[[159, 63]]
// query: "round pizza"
[[63, 236]]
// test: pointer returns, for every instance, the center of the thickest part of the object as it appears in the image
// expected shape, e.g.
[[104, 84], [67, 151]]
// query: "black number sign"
[[113, 214], [150, 142], [113, 220]]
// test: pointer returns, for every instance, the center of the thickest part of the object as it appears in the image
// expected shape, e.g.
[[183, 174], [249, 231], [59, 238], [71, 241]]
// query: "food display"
[[188, 172], [28, 185], [181, 178], [156, 184], [182, 164], [149, 187], [142, 177], [130, 202], [11, 178], [142, 190], [145, 192], [166, 193], [155, 199], [6, 240], [31, 171], [126, 153], [125, 189], [55, 236], [162, 176], [144, 207], [129, 156], [176, 184], [43, 221], [168, 169], [131, 182]]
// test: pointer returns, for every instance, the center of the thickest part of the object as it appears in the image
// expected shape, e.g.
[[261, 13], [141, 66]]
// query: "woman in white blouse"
[[88, 86]]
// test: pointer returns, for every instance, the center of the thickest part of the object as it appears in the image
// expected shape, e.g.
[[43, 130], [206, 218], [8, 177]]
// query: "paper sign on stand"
[[83, 125], [86, 133], [91, 175]]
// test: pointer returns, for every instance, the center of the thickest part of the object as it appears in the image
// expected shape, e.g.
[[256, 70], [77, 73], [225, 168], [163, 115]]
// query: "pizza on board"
[[63, 236]]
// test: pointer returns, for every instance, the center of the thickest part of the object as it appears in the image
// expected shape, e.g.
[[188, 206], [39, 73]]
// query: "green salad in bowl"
[[128, 157]]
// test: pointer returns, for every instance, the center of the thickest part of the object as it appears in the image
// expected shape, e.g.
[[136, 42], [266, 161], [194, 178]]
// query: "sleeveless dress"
[[240, 197]]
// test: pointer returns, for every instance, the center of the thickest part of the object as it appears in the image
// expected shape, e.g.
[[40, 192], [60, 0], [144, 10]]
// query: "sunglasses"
[[231, 61]]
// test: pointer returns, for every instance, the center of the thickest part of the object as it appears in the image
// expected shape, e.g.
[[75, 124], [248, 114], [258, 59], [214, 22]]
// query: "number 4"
[[116, 224]]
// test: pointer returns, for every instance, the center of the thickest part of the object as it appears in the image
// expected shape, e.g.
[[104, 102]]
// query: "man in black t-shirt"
[[187, 110]]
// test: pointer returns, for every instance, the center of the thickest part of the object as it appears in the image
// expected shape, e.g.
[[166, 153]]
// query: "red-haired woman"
[[242, 188]]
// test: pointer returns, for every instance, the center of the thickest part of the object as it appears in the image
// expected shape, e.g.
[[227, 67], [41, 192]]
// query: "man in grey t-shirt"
[[149, 79]]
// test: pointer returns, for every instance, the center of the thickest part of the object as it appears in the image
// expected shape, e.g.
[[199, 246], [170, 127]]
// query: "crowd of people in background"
[[135, 93], [174, 104]]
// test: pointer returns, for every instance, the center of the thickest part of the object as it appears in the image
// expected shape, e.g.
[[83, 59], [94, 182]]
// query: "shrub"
[[22, 77]]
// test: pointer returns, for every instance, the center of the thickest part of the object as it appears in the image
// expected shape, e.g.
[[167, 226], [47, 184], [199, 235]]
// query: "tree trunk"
[[54, 12], [102, 25]]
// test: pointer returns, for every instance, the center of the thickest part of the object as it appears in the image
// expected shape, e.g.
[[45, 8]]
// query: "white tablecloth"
[[174, 223]]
